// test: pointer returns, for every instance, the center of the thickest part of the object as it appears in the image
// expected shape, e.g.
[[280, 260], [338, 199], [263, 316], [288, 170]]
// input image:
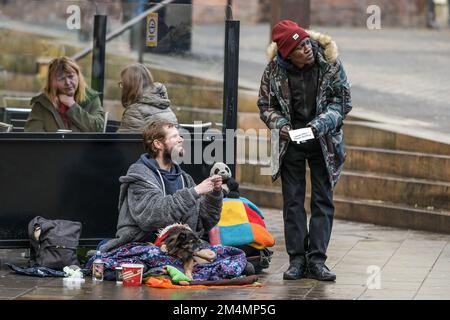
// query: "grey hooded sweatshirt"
[[145, 207]]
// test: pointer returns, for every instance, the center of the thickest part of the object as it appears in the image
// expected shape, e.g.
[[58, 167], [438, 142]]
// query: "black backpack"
[[53, 243]]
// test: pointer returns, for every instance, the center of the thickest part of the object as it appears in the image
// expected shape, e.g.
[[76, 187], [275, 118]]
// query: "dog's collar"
[[164, 233]]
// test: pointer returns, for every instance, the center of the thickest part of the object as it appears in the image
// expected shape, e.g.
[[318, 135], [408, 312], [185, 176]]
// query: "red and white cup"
[[132, 274]]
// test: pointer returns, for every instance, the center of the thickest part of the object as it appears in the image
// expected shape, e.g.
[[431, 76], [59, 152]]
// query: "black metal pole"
[[230, 83], [229, 10], [98, 54]]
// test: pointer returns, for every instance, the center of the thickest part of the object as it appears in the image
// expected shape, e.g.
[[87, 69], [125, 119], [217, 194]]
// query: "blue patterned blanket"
[[229, 263]]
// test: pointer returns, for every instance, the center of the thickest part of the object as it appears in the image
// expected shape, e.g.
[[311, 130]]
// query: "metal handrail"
[[122, 29]]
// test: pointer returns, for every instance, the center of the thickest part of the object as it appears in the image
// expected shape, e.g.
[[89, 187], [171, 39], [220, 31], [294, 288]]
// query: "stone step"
[[381, 161], [367, 185], [190, 115], [375, 135], [250, 123], [361, 210], [251, 105], [115, 109], [19, 50], [14, 63], [22, 83], [179, 94], [251, 120], [364, 134], [399, 163], [208, 97], [417, 193], [184, 114]]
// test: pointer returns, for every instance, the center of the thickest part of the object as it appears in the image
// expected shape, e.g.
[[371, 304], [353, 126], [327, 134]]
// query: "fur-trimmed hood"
[[330, 48]]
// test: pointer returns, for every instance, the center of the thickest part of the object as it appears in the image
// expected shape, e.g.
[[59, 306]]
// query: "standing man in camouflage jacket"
[[305, 85]]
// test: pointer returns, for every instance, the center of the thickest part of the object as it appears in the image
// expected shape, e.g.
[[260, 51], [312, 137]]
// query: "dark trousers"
[[301, 245]]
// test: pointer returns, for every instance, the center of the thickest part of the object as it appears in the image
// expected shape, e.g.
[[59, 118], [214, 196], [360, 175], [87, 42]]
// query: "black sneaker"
[[320, 272], [294, 272]]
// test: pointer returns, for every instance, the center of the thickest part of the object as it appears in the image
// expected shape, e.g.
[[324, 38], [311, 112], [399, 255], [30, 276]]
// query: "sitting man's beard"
[[168, 156]]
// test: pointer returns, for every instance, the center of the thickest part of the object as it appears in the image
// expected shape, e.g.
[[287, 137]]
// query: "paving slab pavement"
[[409, 265]]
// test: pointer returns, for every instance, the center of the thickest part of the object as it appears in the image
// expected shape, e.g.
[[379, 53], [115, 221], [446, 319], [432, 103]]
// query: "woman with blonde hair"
[[66, 103], [144, 100]]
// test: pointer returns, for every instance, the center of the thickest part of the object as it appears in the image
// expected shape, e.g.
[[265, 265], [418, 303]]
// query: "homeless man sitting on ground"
[[156, 192]]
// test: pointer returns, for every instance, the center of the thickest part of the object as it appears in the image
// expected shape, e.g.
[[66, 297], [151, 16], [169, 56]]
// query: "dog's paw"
[[188, 274], [204, 256]]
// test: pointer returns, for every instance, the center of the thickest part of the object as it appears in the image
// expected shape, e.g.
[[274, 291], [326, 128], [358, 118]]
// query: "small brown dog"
[[178, 240]]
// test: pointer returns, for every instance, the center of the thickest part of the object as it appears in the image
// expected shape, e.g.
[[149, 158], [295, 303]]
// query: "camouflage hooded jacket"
[[333, 103]]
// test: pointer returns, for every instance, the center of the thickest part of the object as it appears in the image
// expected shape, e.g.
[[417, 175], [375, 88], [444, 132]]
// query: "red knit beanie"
[[288, 35]]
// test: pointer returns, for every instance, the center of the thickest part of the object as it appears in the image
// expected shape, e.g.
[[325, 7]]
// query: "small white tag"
[[301, 135], [295, 36]]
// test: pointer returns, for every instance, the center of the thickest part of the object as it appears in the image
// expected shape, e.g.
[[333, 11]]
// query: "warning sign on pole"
[[152, 29]]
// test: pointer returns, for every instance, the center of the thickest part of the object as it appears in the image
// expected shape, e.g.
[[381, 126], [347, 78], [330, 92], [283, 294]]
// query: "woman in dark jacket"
[[144, 101], [66, 103]]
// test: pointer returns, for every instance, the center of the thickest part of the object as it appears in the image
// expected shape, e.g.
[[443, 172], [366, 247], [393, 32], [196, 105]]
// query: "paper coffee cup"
[[132, 274]]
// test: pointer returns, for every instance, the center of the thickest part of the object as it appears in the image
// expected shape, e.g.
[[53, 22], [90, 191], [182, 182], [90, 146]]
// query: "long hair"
[[66, 65], [135, 79]]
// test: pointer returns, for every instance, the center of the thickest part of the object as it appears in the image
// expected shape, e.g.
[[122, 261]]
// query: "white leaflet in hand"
[[300, 135]]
